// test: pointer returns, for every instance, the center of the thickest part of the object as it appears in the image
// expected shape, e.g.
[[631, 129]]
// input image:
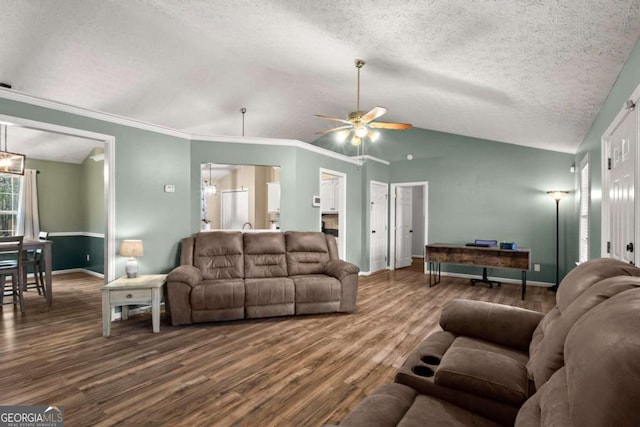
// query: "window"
[[583, 250], [9, 196]]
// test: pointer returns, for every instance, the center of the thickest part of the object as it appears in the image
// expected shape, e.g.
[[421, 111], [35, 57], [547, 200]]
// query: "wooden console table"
[[493, 257]]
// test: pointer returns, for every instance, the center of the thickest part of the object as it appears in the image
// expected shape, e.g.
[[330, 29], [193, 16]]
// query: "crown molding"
[[125, 121], [277, 142]]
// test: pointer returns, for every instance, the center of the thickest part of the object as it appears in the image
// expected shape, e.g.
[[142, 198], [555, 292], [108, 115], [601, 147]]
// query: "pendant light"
[[11, 163], [210, 187]]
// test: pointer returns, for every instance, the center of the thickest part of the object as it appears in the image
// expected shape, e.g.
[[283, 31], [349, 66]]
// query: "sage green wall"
[[480, 189], [70, 195], [60, 203], [628, 80], [144, 162], [71, 200], [299, 182]]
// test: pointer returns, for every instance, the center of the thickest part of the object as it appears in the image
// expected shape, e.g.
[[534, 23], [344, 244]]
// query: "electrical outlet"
[[536, 267], [88, 257]]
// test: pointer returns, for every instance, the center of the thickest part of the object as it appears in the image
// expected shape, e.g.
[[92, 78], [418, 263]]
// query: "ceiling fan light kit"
[[359, 124]]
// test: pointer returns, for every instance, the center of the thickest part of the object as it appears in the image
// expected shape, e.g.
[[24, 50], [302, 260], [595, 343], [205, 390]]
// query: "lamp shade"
[[12, 163], [557, 195], [132, 248]]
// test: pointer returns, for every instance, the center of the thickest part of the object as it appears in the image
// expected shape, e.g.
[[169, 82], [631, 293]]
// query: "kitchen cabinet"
[[330, 196]]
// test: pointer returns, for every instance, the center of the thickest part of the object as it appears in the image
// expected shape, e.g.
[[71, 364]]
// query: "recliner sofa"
[[498, 365], [228, 275]]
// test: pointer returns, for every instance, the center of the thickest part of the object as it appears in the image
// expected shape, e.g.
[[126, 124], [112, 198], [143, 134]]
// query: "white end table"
[[141, 290]]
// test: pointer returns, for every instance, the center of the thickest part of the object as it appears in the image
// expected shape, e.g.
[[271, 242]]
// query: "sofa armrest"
[[340, 269], [347, 274], [186, 274], [501, 324]]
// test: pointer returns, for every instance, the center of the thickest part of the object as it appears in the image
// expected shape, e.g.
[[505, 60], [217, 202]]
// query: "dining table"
[[45, 246]]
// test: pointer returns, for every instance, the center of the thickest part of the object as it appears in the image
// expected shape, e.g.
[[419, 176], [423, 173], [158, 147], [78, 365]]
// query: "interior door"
[[235, 209], [404, 221], [623, 144], [379, 241]]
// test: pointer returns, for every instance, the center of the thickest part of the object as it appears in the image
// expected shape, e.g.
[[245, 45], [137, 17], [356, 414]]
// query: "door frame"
[[342, 215], [109, 181], [392, 217], [386, 186], [605, 234]]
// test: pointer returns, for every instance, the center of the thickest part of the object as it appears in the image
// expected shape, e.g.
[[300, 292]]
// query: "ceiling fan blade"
[[373, 114], [333, 130], [395, 126], [333, 118]]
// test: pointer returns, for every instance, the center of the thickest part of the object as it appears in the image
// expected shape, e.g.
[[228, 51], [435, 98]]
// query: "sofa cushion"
[[418, 371], [277, 290], [307, 252], [316, 288], [547, 354], [218, 294], [485, 369], [598, 386], [549, 406], [264, 255], [602, 359], [586, 275], [219, 255], [392, 405]]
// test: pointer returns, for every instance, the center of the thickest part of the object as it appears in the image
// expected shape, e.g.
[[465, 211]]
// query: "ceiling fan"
[[359, 124]]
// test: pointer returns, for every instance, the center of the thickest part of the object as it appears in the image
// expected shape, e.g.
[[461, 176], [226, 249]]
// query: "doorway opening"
[[409, 223], [378, 226], [62, 137], [333, 207]]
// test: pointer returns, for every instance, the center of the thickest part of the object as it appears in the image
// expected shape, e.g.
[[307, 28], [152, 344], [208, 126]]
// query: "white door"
[[404, 221], [623, 143], [235, 209], [273, 197], [379, 241]]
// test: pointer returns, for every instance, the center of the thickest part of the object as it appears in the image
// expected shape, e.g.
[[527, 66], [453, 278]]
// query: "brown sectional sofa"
[[578, 365], [228, 275]]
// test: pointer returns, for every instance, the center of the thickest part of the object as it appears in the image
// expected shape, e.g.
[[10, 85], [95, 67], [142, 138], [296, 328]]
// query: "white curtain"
[[28, 220]]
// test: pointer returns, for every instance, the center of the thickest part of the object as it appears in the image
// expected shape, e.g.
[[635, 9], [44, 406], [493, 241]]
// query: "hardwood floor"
[[288, 371]]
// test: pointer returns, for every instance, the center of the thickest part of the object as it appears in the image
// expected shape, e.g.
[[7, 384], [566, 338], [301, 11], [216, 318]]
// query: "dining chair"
[[11, 265], [34, 260]]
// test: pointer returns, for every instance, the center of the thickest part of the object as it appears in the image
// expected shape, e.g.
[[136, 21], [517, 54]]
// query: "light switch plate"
[[315, 202], [169, 188]]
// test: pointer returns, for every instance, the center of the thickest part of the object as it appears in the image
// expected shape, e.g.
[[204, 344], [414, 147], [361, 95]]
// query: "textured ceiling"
[[532, 73]]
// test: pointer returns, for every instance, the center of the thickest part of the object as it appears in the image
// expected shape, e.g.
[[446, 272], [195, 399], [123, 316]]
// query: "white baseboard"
[[78, 270], [369, 273]]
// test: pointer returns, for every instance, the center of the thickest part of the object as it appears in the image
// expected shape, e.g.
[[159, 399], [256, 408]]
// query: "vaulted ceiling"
[[532, 73]]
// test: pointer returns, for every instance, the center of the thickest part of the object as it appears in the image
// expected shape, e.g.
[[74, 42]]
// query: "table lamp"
[[132, 249]]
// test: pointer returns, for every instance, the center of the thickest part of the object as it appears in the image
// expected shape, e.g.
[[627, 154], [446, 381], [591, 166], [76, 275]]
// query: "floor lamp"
[[557, 196]]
